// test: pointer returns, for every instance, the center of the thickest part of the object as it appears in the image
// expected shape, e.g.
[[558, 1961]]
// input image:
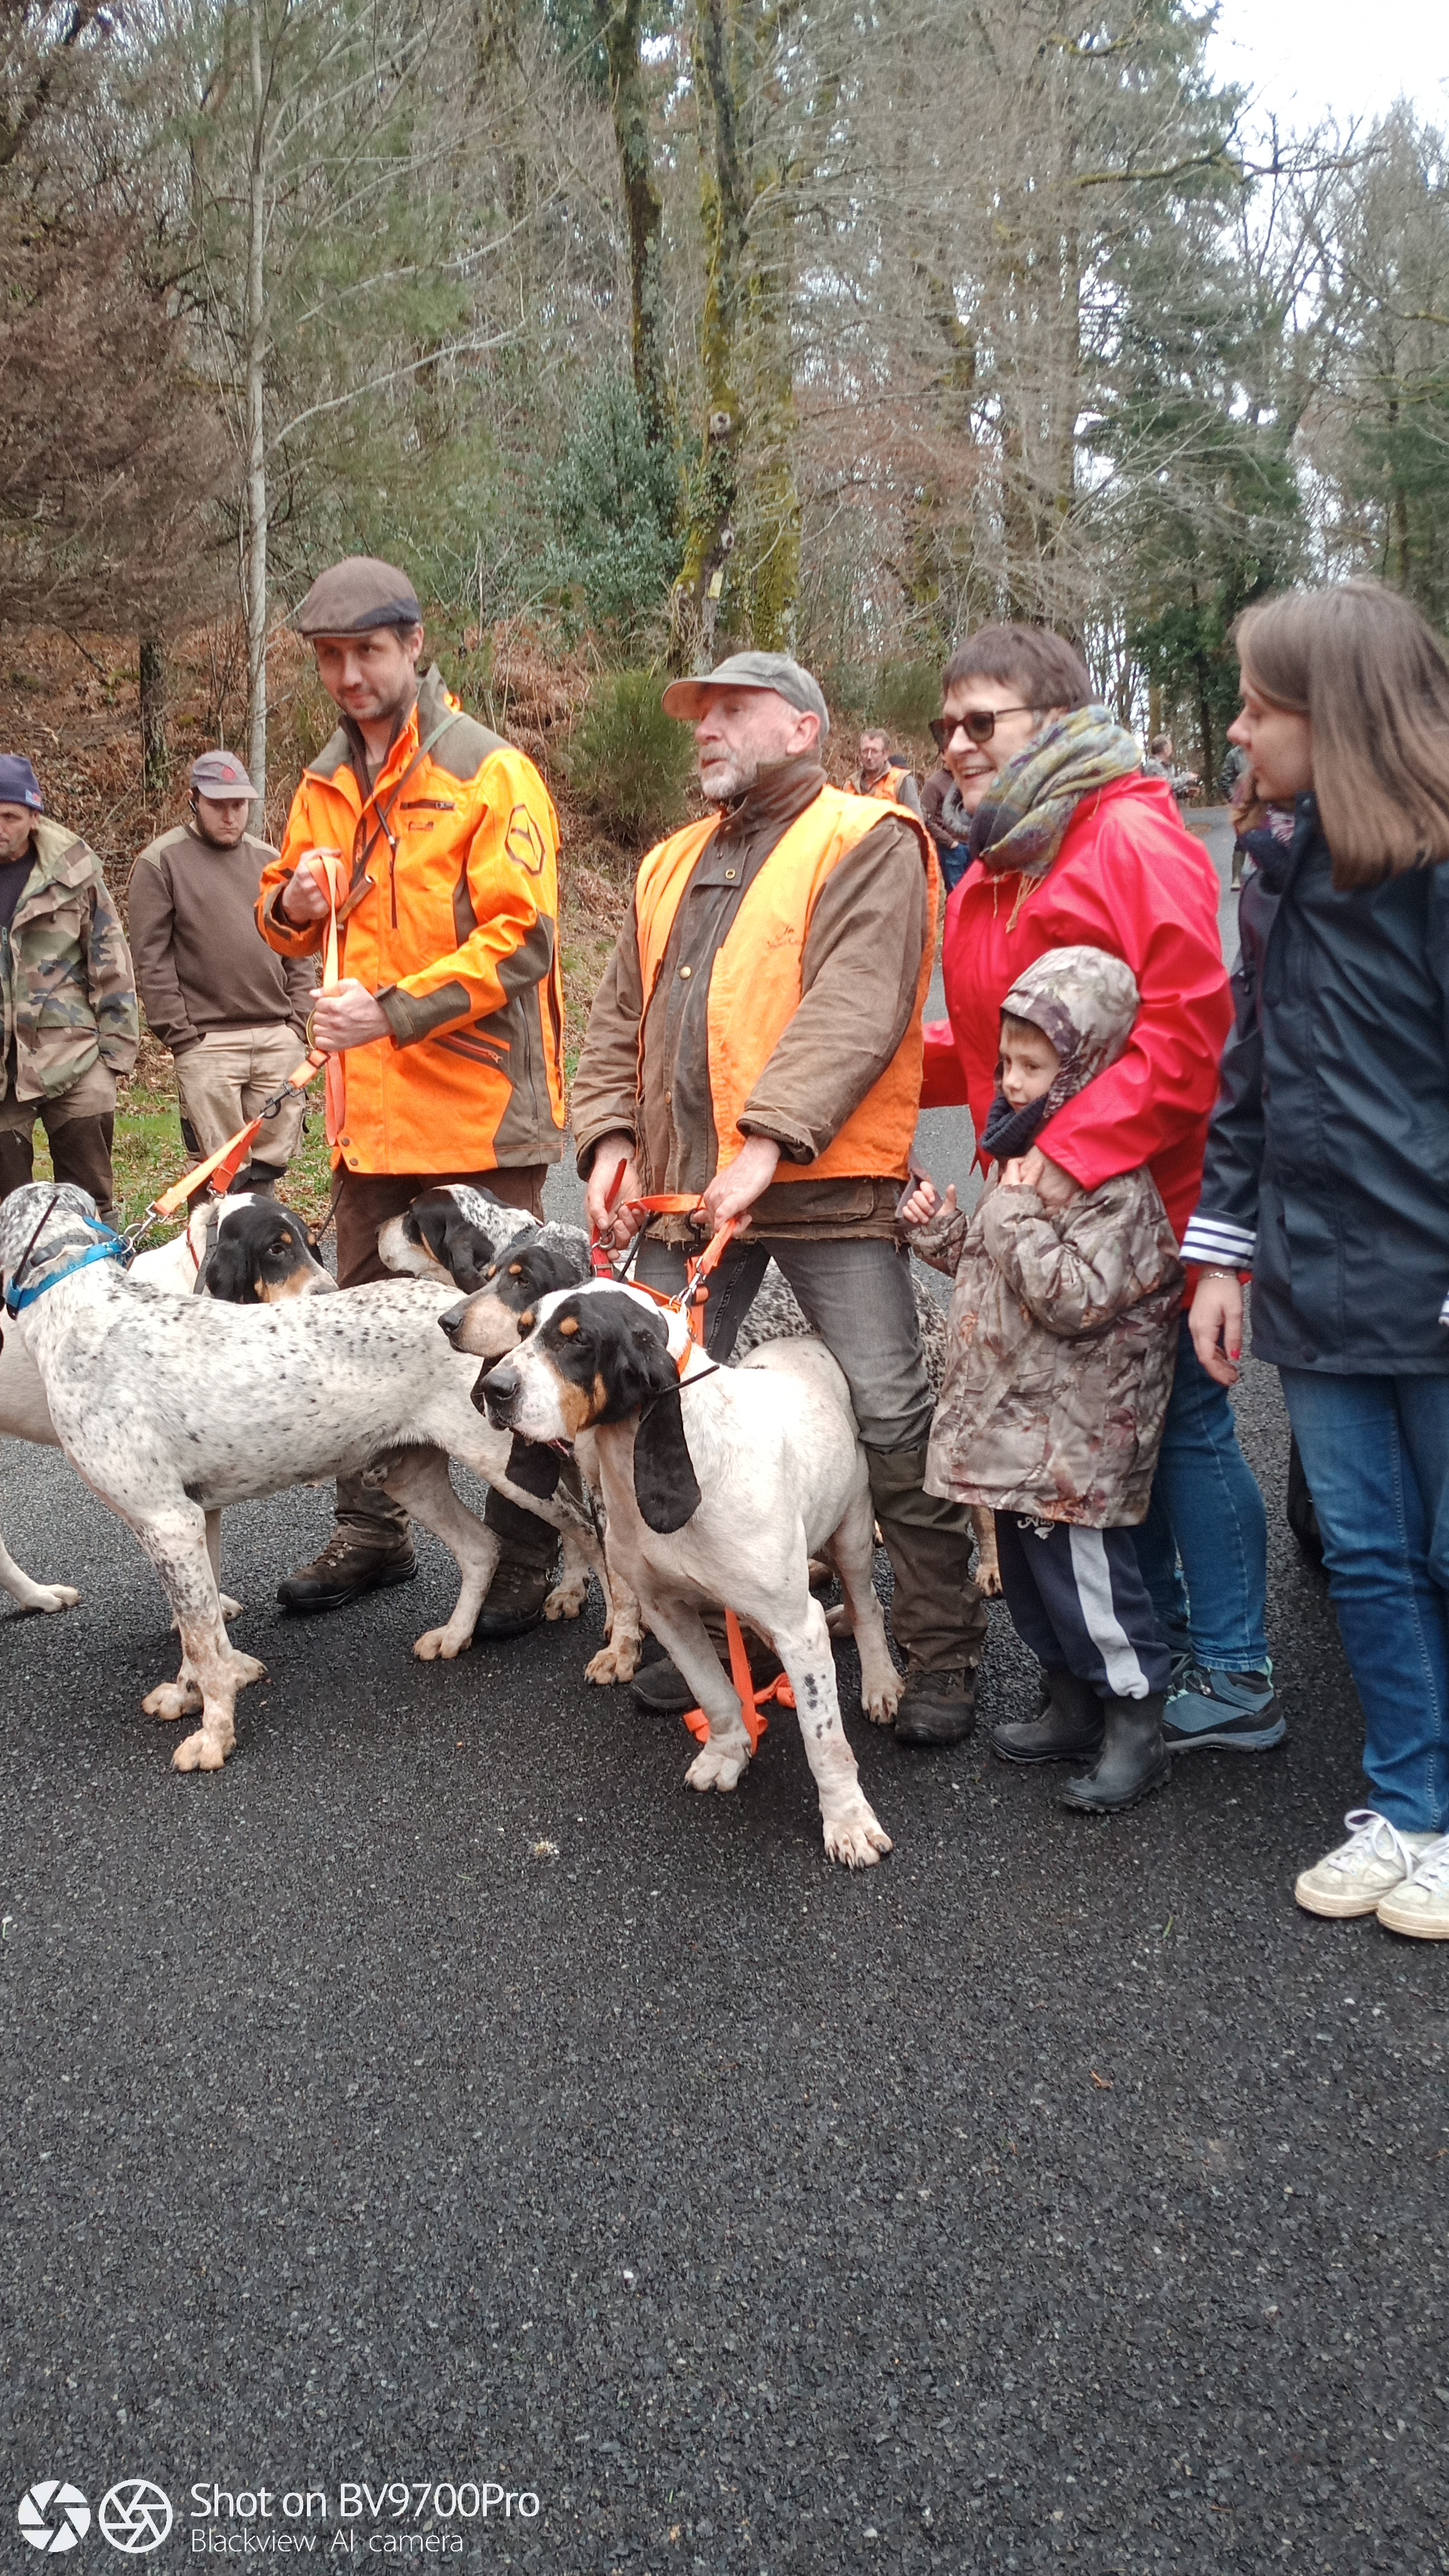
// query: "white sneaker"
[[1374, 1862], [1419, 1905]]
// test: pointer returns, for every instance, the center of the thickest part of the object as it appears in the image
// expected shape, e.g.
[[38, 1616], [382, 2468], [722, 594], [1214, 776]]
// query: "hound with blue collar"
[[173, 1408]]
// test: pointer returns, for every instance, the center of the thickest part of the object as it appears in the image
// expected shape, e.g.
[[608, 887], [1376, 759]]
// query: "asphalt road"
[[443, 2093]]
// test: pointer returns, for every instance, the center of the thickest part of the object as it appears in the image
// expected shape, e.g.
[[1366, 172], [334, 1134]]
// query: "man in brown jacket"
[[233, 1015], [756, 1038]]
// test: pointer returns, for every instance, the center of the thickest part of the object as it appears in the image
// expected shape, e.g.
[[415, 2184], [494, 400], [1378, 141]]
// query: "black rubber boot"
[[936, 1709], [1133, 1760], [660, 1687], [1069, 1728], [353, 1562]]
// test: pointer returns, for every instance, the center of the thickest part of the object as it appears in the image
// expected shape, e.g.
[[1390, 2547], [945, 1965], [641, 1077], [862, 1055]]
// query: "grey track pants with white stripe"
[[1077, 1597]]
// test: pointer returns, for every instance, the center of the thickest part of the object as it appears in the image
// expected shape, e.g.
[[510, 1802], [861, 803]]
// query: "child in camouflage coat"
[[1063, 1335]]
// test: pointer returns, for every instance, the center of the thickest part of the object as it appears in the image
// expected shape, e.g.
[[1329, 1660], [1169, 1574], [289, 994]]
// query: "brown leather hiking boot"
[[662, 1689], [349, 1565], [936, 1708], [516, 1595]]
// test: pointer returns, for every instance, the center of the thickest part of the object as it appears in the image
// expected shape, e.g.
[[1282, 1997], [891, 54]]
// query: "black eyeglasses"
[[978, 726]]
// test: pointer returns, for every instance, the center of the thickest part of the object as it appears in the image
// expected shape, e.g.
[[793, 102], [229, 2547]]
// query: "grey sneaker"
[[1213, 1712]]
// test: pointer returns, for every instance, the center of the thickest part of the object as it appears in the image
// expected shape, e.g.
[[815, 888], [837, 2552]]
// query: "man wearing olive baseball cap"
[[233, 1014], [757, 1039]]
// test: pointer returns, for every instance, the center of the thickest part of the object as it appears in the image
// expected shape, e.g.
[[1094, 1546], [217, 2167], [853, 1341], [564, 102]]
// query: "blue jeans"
[[1206, 1509], [1375, 1451]]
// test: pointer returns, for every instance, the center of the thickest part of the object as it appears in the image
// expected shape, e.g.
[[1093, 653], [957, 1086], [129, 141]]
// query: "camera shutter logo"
[[53, 2516], [135, 2516]]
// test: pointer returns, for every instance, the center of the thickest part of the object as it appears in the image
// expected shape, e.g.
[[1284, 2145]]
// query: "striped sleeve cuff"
[[1211, 1239]]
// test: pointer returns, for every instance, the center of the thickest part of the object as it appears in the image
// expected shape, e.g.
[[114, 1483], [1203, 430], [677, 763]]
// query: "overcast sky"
[[1308, 58]]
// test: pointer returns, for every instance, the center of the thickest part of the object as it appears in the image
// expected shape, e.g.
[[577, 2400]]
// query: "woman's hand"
[[1216, 1324], [926, 1202], [1036, 1171]]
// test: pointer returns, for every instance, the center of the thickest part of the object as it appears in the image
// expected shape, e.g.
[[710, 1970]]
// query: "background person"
[[756, 1037], [883, 773], [448, 1017], [1074, 847], [232, 1012], [1325, 1175], [952, 854], [67, 995]]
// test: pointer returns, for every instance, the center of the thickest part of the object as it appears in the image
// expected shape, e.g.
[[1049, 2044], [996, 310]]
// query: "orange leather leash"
[[692, 1302]]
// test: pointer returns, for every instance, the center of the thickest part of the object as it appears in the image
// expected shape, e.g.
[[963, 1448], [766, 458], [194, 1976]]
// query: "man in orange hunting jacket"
[[447, 1018]]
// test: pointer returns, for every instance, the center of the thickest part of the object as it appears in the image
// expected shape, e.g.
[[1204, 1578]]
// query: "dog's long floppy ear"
[[462, 1247], [666, 1487], [226, 1273]]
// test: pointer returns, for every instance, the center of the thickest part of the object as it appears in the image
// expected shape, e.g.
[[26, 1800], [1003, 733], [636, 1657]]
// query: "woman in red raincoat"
[[1072, 846]]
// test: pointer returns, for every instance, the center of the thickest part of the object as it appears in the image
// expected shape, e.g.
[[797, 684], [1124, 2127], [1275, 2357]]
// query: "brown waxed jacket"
[[860, 969]]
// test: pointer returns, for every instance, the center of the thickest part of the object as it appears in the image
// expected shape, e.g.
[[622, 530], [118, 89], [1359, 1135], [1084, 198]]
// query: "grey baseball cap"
[[221, 775], [354, 596], [689, 698]]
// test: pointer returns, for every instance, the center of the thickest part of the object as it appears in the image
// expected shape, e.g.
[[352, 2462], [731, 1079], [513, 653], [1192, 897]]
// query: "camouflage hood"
[[1085, 1002]]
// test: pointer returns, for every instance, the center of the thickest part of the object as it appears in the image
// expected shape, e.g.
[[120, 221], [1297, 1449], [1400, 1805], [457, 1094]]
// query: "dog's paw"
[[838, 1621], [856, 1839], [989, 1582], [230, 1608], [719, 1766], [442, 1645], [54, 1596], [616, 1662], [173, 1700], [202, 1751], [880, 1705], [246, 1669], [566, 1600]]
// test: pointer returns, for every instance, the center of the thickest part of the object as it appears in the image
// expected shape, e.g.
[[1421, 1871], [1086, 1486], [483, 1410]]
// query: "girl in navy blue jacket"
[[1327, 1176]]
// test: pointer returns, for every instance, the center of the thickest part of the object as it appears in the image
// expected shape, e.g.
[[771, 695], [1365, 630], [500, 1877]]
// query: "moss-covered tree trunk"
[[724, 207], [620, 25]]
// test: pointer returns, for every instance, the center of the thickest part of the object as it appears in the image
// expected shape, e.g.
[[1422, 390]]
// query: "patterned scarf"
[[1038, 792]]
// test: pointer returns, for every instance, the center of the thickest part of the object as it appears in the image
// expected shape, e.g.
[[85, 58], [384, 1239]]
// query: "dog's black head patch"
[[437, 1223], [525, 1272], [615, 1349], [260, 1252]]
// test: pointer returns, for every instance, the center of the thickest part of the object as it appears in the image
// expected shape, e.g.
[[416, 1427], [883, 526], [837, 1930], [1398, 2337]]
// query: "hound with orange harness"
[[720, 1484]]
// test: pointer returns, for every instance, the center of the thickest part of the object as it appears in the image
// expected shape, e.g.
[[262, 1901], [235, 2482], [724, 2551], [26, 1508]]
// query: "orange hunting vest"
[[756, 985], [887, 787]]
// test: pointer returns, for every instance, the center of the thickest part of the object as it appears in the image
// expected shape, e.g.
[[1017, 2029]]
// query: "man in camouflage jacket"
[[68, 1014]]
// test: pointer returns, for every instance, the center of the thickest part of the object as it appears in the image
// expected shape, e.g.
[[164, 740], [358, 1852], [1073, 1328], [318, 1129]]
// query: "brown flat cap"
[[356, 595]]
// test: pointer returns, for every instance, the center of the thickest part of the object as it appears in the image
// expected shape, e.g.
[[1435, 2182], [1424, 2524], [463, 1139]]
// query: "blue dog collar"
[[113, 1249]]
